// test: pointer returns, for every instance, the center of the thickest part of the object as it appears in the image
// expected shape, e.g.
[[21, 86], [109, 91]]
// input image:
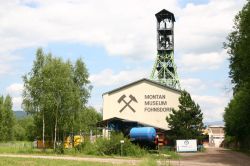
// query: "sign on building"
[[186, 145]]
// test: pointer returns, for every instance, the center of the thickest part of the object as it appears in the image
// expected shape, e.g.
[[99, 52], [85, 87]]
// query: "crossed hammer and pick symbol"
[[127, 104]]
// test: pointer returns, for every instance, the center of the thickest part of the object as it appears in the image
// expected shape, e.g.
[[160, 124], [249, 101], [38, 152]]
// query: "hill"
[[20, 114]]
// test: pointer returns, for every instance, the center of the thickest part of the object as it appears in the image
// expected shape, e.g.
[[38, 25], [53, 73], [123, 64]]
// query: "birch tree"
[[56, 91]]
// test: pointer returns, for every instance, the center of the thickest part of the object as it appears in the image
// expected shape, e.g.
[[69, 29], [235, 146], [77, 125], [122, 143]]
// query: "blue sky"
[[117, 41]]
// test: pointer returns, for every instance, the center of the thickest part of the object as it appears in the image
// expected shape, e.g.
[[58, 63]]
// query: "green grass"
[[22, 147], [172, 154], [9, 161], [148, 162]]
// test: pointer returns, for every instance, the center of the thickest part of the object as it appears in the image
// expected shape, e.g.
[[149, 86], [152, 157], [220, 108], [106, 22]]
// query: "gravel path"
[[91, 159], [212, 157]]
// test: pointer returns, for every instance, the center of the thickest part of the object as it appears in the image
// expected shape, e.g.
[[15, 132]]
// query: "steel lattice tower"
[[164, 70]]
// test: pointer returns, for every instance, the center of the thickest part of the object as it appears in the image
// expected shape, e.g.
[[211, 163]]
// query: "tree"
[[238, 47], [6, 119], [236, 118], [24, 129], [33, 84], [1, 116], [60, 92], [186, 123], [81, 76], [87, 119], [54, 93], [237, 112]]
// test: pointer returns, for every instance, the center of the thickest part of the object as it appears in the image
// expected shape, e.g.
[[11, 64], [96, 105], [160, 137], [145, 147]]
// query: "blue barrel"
[[142, 133]]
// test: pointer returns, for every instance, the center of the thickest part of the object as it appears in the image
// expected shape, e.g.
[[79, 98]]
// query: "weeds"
[[111, 147], [148, 162]]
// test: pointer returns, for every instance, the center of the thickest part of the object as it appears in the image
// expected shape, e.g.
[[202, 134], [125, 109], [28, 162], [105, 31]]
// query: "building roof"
[[141, 80], [104, 122], [164, 14], [216, 126]]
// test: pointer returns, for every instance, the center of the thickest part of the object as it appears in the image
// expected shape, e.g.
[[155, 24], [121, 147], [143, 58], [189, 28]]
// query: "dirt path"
[[214, 157], [91, 159]]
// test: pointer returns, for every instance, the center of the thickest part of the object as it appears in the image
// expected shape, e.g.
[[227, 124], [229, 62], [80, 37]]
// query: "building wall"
[[216, 136], [153, 105]]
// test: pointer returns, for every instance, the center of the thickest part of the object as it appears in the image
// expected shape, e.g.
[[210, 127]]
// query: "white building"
[[143, 101], [216, 135]]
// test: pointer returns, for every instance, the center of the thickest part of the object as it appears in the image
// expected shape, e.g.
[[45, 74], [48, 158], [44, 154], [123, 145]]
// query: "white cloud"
[[17, 101], [6, 60], [213, 115], [107, 77], [210, 101], [212, 106], [123, 28], [204, 61], [15, 89], [203, 28], [193, 85]]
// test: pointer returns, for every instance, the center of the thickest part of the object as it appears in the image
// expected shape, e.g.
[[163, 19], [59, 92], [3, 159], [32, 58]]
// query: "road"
[[212, 157]]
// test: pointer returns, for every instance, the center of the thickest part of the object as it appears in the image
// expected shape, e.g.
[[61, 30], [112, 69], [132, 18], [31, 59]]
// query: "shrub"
[[59, 148], [111, 146], [133, 150], [89, 148], [230, 142]]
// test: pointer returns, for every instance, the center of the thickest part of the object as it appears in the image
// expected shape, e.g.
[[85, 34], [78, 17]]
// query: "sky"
[[117, 41]]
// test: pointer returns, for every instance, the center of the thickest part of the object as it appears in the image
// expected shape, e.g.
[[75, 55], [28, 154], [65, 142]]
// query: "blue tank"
[[142, 134]]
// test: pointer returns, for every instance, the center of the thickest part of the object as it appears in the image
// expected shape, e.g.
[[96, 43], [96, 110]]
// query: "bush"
[[87, 148], [230, 142], [111, 146], [59, 148]]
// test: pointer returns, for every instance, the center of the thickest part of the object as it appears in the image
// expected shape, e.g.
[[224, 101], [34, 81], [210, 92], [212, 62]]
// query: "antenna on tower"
[[164, 70]]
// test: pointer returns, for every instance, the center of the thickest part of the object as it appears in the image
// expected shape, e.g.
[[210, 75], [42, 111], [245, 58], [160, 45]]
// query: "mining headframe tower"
[[164, 70]]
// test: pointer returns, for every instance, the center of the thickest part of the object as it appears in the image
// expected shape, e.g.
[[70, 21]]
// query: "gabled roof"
[[104, 122], [141, 80], [164, 14]]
